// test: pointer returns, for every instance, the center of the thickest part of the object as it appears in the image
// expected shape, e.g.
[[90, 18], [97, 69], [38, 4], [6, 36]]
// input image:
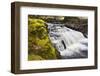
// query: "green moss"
[[39, 45], [34, 57]]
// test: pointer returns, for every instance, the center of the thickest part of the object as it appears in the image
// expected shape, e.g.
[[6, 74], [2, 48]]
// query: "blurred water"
[[70, 43]]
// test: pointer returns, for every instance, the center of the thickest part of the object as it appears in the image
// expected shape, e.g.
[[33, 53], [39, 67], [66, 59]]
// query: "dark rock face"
[[82, 28], [77, 23]]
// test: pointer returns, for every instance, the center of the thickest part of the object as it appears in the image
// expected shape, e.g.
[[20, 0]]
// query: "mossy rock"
[[38, 37], [34, 57]]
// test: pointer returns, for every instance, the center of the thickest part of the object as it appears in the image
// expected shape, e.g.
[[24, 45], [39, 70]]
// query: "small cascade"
[[70, 43]]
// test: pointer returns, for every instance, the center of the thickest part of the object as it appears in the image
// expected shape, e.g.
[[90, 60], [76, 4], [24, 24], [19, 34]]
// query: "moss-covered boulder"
[[39, 44]]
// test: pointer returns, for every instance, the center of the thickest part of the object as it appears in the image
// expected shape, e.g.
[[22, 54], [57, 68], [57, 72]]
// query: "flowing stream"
[[68, 42]]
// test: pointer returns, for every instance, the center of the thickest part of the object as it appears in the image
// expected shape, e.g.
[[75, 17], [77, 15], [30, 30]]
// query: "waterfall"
[[70, 43]]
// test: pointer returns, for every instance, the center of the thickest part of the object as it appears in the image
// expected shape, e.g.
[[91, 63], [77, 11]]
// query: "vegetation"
[[39, 45]]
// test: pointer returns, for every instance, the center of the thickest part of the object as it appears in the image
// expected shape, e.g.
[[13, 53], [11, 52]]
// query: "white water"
[[70, 43]]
